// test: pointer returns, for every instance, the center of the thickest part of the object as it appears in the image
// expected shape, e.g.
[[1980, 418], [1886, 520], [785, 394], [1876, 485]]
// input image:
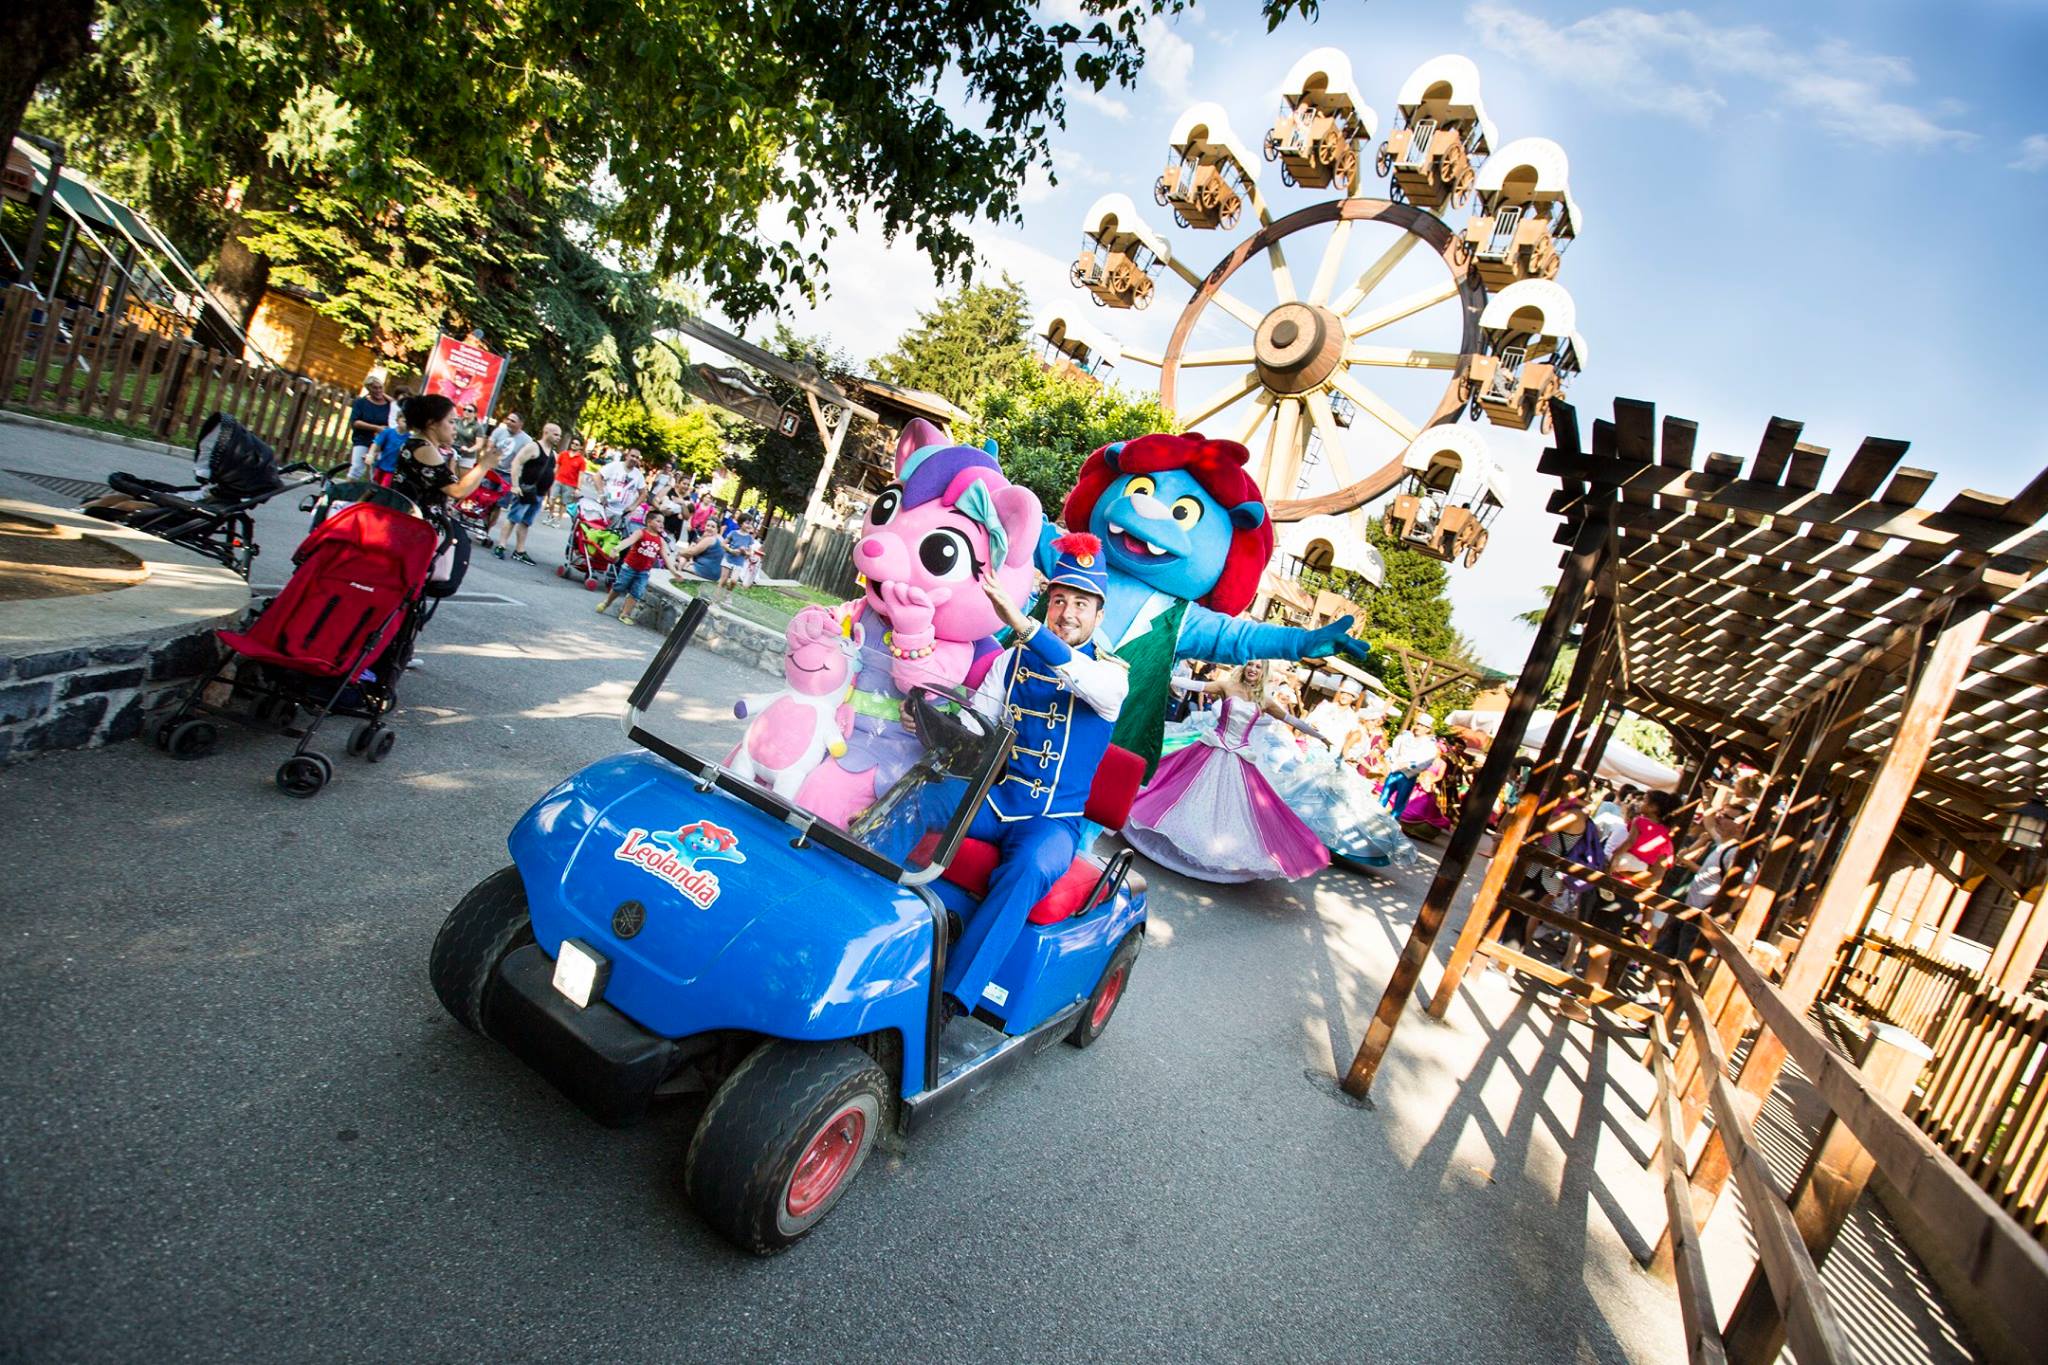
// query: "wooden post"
[[1538, 800], [1891, 1061], [2020, 946], [1919, 725], [1588, 550]]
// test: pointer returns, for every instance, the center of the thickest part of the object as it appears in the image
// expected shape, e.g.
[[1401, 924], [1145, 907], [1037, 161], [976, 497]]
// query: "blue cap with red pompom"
[[1080, 564]]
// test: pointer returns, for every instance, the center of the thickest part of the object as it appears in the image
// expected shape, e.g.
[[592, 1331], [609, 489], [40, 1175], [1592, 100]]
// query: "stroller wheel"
[[360, 739], [303, 775], [380, 747], [561, 570], [163, 734], [193, 739], [590, 585]]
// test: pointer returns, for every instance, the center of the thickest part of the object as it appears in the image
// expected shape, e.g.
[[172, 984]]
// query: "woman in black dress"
[[426, 463]]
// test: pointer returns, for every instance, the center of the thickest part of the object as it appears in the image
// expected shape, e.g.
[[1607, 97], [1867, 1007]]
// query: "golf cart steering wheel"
[[956, 736]]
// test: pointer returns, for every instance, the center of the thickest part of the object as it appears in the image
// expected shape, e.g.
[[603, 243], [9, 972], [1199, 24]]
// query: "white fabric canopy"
[[1619, 764]]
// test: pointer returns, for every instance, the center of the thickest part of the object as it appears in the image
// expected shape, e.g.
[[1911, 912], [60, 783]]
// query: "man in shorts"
[[568, 476], [532, 474]]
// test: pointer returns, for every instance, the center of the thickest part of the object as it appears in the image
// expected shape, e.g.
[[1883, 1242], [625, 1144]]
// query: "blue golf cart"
[[669, 928]]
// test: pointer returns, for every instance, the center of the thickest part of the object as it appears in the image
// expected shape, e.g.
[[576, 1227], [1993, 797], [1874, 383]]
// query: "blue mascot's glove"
[[1335, 638]]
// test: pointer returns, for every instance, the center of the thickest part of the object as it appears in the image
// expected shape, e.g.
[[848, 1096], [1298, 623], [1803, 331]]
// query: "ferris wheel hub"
[[1298, 346]]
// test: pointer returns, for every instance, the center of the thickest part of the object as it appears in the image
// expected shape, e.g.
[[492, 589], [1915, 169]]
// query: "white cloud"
[[2033, 154], [1169, 62], [1099, 102], [1676, 63]]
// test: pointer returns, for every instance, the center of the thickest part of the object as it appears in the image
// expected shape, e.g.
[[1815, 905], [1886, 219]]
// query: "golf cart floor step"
[[966, 1039]]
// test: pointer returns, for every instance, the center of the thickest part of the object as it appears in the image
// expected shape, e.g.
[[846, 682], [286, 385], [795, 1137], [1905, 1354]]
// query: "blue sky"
[[1835, 212]]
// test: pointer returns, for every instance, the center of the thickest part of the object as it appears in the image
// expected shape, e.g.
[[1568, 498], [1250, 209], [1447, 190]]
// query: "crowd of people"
[[640, 512]]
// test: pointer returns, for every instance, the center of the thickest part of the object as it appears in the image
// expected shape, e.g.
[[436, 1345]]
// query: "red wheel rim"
[[1112, 989], [826, 1161]]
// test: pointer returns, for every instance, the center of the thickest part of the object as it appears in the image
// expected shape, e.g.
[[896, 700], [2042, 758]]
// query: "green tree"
[[1045, 424], [692, 441], [965, 347], [703, 114], [783, 468]]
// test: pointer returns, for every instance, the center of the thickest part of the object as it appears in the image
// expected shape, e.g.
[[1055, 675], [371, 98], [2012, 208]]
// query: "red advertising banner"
[[466, 373]]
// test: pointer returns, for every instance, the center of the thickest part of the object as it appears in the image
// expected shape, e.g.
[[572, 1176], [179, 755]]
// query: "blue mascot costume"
[[1186, 535], [1063, 700]]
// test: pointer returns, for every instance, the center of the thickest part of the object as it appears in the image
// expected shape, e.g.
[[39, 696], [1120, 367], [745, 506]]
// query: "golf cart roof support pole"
[[1589, 548], [1483, 921]]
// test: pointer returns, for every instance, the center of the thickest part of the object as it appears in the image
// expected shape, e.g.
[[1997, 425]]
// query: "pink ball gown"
[[1209, 813]]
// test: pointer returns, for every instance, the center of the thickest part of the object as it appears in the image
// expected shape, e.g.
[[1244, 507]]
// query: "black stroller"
[[237, 472]]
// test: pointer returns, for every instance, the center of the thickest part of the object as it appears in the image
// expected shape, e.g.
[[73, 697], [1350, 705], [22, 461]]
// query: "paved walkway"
[[238, 1125]]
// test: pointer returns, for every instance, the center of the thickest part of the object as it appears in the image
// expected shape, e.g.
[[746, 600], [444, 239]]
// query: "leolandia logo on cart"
[[673, 855]]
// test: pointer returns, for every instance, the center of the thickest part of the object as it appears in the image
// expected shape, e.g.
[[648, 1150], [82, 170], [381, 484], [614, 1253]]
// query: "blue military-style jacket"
[[1063, 703]]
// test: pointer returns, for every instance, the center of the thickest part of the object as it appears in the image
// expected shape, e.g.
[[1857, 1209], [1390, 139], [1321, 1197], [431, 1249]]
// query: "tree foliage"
[[970, 343], [1045, 423], [692, 441], [703, 115], [783, 468]]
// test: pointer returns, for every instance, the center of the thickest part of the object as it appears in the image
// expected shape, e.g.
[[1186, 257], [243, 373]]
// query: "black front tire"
[[485, 927], [304, 775], [1109, 991], [193, 739], [783, 1139]]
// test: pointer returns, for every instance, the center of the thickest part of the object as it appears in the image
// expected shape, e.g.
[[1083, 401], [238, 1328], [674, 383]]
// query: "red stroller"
[[477, 511], [335, 642]]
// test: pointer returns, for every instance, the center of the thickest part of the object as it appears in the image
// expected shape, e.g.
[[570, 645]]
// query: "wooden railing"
[[68, 361], [1880, 978], [1984, 1098]]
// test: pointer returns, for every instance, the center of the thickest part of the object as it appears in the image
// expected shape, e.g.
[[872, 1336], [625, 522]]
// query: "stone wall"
[[757, 646], [88, 695]]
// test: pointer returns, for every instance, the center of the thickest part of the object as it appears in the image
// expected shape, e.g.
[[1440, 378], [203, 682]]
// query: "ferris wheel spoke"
[[1151, 358], [1283, 453], [1385, 413], [1180, 268], [1283, 278], [1237, 308], [1398, 358], [1259, 411], [1333, 443], [1333, 261], [1374, 275], [1228, 355], [1403, 308], [1245, 385]]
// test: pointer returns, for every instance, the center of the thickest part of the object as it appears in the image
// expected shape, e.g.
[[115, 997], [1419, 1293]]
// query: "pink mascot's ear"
[[917, 434], [1022, 516]]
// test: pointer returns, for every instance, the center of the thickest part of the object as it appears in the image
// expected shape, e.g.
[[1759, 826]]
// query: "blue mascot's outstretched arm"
[[1215, 638]]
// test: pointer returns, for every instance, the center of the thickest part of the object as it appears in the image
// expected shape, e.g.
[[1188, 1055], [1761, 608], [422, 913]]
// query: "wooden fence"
[[816, 556], [1984, 1098], [67, 360]]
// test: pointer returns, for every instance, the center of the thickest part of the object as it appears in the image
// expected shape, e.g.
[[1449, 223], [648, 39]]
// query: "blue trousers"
[[1396, 790], [1035, 854]]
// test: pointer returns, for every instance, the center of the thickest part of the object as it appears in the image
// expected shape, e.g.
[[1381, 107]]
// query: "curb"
[[112, 438]]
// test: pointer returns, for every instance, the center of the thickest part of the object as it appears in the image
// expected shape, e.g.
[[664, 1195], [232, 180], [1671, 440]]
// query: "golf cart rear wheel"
[[783, 1139], [1109, 991], [485, 927]]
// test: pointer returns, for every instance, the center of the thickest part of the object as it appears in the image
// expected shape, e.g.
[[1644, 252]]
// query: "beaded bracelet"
[[889, 640]]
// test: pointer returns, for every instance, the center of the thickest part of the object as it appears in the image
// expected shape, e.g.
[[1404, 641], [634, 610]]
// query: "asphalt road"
[[235, 1123]]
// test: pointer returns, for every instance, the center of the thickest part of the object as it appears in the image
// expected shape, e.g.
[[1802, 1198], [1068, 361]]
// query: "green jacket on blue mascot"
[[1186, 534]]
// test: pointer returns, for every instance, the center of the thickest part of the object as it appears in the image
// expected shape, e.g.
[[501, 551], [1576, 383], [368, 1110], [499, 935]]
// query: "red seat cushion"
[[976, 862], [1117, 779]]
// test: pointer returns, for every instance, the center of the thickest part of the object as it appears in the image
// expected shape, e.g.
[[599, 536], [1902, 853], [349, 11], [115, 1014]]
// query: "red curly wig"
[[1219, 467]]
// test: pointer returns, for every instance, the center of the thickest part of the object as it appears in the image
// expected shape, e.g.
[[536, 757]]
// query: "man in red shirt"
[[568, 474]]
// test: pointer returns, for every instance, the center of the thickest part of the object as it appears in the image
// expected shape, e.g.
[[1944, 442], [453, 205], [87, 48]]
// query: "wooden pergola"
[[1885, 666]]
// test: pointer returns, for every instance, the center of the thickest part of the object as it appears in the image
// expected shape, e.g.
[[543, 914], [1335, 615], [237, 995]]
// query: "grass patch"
[[72, 419], [770, 605]]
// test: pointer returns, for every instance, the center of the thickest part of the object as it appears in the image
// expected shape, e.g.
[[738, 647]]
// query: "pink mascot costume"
[[925, 620]]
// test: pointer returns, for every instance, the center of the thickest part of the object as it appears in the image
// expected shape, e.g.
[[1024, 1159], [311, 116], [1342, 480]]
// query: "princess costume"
[[1209, 813], [1325, 790]]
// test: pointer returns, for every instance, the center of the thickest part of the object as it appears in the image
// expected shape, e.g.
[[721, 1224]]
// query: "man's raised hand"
[[1006, 610]]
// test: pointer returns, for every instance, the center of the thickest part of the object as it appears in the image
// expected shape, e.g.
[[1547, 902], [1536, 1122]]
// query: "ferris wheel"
[[1382, 348]]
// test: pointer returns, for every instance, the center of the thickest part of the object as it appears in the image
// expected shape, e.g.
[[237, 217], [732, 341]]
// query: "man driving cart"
[[1061, 693]]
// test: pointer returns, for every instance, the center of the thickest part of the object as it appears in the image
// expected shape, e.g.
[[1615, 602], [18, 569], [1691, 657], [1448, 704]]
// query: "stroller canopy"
[[235, 460]]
